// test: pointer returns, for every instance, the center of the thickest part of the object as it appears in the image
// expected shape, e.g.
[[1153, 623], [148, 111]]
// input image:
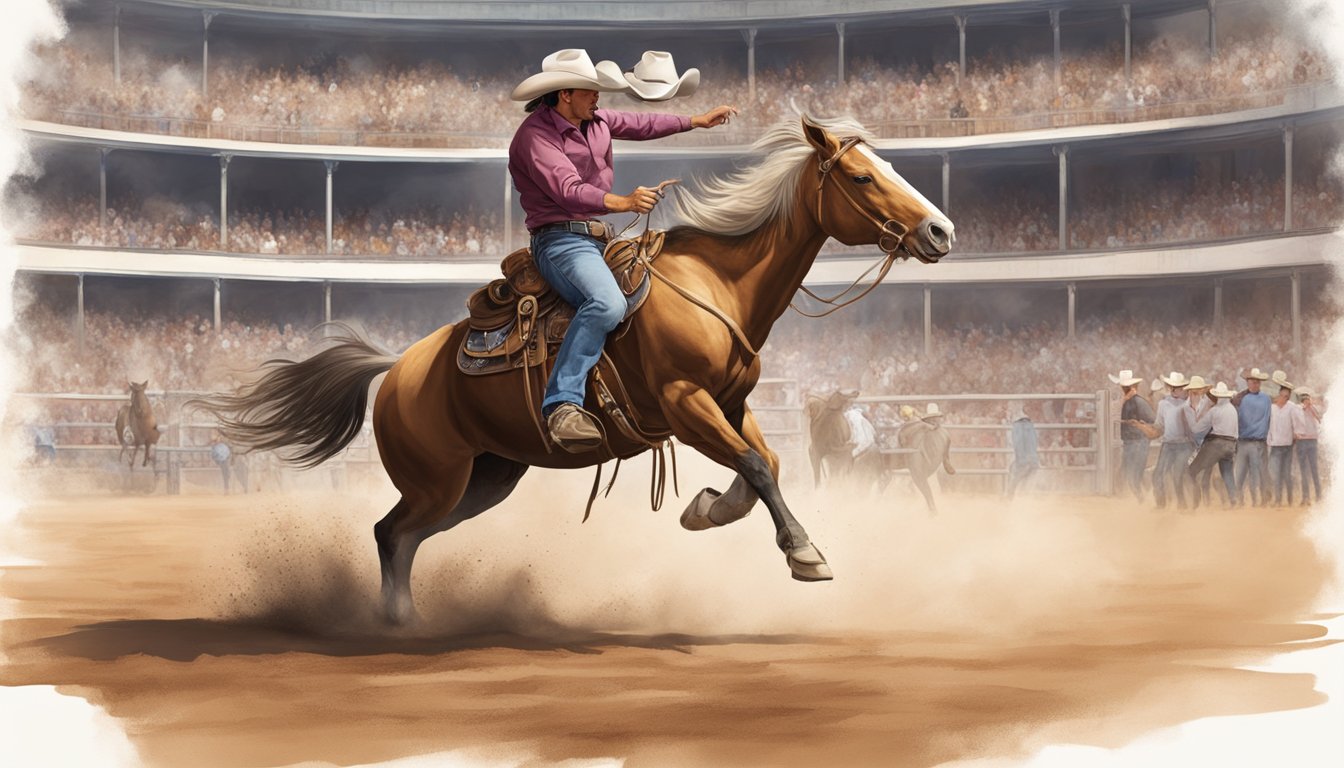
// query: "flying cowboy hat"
[[1221, 391], [1125, 379], [570, 68], [655, 78]]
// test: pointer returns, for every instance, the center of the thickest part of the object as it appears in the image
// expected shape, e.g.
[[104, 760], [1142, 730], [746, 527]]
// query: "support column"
[[331, 169], [116, 45], [947, 184], [1129, 39], [206, 18], [1297, 314], [102, 186], [1062, 152], [216, 282], [1073, 307], [961, 57], [326, 301], [508, 210], [79, 311], [751, 64], [224, 159], [1217, 300], [1213, 28], [928, 319], [840, 53], [1054, 25], [1288, 177]]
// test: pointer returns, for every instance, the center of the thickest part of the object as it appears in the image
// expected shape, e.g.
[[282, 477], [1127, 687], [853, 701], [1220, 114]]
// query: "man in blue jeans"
[[560, 161], [1176, 419], [1252, 428], [1134, 411]]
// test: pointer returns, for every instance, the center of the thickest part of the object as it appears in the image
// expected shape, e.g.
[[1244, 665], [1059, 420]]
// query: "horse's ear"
[[820, 138], [144, 383]]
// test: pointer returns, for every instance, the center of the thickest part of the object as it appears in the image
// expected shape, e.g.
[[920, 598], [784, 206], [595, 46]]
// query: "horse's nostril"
[[937, 234]]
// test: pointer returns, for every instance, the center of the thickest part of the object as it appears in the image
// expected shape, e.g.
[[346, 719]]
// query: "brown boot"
[[573, 429]]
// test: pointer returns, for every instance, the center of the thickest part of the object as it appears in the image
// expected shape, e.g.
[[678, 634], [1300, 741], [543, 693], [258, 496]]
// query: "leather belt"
[[594, 229], [1251, 439], [1223, 437]]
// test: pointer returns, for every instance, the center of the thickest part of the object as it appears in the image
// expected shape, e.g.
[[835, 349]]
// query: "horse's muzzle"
[[932, 239]]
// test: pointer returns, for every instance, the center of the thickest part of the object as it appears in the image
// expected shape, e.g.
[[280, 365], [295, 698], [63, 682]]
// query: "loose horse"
[[457, 445], [138, 419], [831, 443]]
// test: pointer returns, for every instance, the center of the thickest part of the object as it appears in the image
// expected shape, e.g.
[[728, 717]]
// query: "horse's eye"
[[863, 179]]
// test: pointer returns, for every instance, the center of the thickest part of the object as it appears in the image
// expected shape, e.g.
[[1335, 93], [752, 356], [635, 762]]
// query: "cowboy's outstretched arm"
[[720, 115]]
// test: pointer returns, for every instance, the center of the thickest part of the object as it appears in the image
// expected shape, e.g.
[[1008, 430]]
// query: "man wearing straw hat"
[[1279, 438], [1252, 428], [1176, 419], [1135, 415], [1306, 434], [1219, 422], [561, 164]]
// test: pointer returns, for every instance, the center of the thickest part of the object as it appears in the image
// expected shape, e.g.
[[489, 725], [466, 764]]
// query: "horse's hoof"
[[808, 564], [696, 516]]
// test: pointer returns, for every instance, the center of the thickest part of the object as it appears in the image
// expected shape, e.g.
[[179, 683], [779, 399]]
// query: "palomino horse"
[[138, 419], [831, 443], [456, 445]]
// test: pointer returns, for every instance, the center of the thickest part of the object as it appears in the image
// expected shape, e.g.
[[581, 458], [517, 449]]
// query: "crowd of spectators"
[[358, 101], [1018, 219], [428, 233]]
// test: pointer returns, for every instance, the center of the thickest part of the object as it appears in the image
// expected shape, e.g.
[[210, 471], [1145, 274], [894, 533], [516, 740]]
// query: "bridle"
[[891, 237]]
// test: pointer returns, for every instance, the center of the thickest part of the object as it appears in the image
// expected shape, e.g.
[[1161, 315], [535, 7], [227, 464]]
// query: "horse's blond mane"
[[746, 199]]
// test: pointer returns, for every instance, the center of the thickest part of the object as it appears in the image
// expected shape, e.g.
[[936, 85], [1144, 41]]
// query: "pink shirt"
[[562, 173], [1307, 422]]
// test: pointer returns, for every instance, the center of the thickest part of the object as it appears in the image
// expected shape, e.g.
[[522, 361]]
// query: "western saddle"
[[517, 322]]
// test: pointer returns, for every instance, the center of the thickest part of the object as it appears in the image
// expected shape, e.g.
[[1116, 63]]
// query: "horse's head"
[[138, 389], [861, 200]]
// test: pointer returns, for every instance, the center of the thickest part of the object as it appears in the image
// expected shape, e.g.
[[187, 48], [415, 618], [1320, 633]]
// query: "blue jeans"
[[1307, 465], [1134, 460], [1253, 463], [1171, 466], [1281, 472], [572, 264]]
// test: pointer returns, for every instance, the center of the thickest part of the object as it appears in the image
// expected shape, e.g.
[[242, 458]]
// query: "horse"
[[831, 441], [137, 419], [930, 446], [457, 445]]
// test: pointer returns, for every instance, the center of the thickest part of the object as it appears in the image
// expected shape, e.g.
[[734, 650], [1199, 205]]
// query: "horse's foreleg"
[[699, 422], [489, 479]]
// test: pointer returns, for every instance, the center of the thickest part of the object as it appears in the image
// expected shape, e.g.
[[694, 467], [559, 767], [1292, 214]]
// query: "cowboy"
[[1279, 438], [1176, 418], [1134, 411], [561, 164], [1026, 458], [1252, 426], [1197, 395], [1306, 434], [1219, 448]]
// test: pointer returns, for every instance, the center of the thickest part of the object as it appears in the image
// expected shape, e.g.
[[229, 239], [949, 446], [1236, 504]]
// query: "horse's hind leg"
[[488, 481]]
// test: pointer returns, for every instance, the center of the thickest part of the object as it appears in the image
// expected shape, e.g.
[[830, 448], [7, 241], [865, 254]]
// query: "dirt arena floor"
[[240, 630]]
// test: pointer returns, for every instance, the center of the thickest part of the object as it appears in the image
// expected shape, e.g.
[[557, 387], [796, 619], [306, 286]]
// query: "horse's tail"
[[315, 405], [123, 417]]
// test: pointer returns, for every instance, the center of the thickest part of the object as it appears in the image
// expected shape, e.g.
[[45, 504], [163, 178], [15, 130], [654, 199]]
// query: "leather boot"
[[573, 429]]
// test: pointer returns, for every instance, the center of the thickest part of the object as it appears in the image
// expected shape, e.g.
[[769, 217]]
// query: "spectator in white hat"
[[1136, 419], [1252, 428], [1306, 434], [1279, 438], [1177, 421], [1219, 448]]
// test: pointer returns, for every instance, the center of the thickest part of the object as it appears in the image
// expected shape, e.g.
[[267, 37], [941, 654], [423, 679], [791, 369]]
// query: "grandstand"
[[1142, 183]]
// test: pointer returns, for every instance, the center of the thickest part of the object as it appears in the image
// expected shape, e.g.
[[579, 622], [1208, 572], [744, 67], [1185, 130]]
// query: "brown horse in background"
[[457, 445], [138, 419]]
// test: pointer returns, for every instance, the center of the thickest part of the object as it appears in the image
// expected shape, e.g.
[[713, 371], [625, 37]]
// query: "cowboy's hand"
[[642, 200], [714, 117]]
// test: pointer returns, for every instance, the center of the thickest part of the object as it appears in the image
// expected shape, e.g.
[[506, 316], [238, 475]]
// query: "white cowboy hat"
[[932, 412], [1125, 379], [1256, 373], [655, 78], [1222, 391], [1304, 392], [1281, 379], [1156, 385], [1197, 382], [1176, 380], [570, 68]]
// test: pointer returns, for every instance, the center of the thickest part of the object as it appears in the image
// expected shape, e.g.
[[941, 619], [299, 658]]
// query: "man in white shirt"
[[1280, 441], [1219, 424], [1306, 434], [1176, 420]]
